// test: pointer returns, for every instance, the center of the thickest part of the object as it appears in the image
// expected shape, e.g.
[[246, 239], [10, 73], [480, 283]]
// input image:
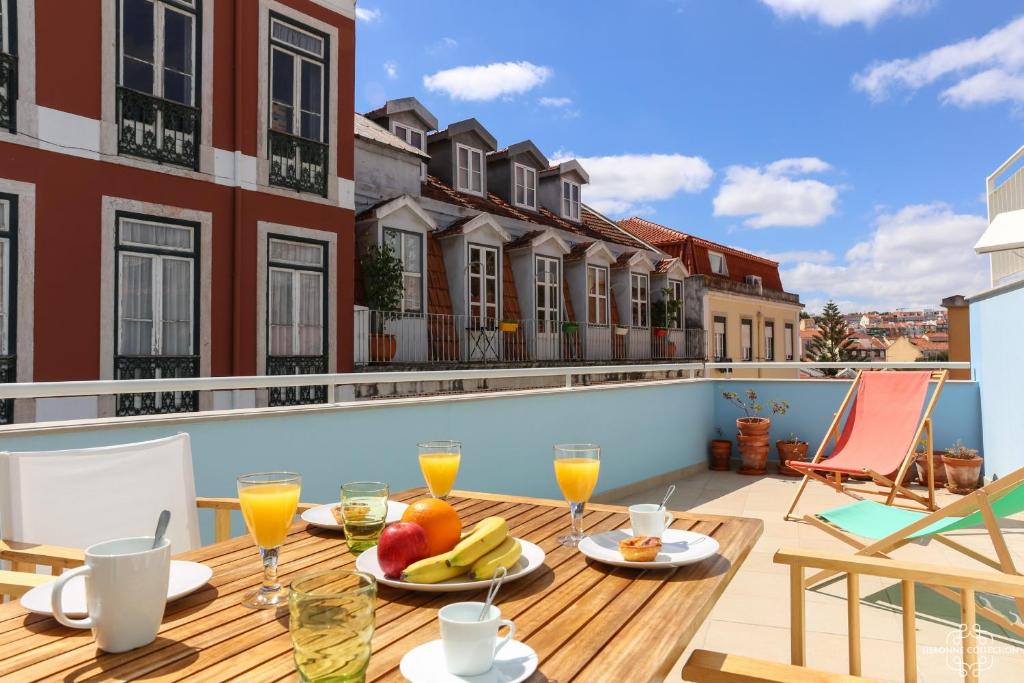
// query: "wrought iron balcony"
[[154, 128], [298, 163], [156, 367], [8, 373], [297, 365], [8, 91]]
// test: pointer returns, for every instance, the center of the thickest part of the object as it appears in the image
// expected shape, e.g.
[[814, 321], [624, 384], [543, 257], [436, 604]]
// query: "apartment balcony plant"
[[790, 449], [753, 429], [921, 464], [963, 468], [721, 453], [570, 327], [383, 289]]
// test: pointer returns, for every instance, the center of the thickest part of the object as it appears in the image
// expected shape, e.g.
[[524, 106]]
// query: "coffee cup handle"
[[508, 636], [668, 519], [56, 595]]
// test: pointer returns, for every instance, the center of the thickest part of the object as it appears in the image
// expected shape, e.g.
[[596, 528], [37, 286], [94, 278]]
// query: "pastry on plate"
[[336, 511], [640, 548]]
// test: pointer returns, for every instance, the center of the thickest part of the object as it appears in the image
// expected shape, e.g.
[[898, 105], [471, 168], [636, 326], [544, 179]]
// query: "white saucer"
[[322, 517], [185, 578], [678, 548], [425, 664]]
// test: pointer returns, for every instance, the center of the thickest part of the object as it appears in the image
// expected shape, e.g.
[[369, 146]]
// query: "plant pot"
[[621, 331], [921, 467], [788, 452], [570, 328], [383, 348], [721, 455], [752, 441], [660, 332], [962, 475], [508, 326]]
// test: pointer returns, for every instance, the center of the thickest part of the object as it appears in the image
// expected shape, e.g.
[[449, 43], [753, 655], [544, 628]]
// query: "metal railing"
[[297, 365], [8, 373], [430, 338], [8, 91], [154, 128], [298, 163], [137, 368]]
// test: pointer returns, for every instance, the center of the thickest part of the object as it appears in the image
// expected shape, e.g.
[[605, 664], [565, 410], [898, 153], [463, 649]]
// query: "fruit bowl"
[[532, 558]]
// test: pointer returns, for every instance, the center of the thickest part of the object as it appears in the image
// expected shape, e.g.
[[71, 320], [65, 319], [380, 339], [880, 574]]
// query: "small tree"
[[665, 311], [383, 284], [834, 342], [752, 406]]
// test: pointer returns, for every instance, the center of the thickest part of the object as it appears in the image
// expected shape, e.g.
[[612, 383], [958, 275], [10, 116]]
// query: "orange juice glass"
[[576, 468], [268, 501], [439, 462]]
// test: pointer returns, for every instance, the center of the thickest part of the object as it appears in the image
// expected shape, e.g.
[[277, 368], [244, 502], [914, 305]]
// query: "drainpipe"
[[759, 331], [238, 255]]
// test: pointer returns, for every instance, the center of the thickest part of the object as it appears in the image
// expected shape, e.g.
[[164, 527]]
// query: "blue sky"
[[848, 139]]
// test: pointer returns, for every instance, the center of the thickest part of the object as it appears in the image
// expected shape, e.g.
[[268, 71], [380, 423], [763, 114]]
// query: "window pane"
[[298, 253], [310, 126], [136, 305], [280, 313], [416, 139], [137, 75], [137, 33], [156, 235], [413, 293], [177, 307], [476, 182], [530, 201], [177, 87], [178, 47], [312, 87], [491, 259], [310, 314], [282, 91], [411, 254], [297, 38]]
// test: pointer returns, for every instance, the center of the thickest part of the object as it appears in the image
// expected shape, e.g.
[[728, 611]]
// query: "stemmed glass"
[[439, 462], [268, 501], [576, 469]]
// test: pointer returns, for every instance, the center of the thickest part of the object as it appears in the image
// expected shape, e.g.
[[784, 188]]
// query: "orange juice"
[[439, 470], [577, 477], [268, 510]]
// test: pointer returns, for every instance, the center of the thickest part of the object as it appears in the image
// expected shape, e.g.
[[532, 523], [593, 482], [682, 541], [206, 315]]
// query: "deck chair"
[[886, 420], [889, 528]]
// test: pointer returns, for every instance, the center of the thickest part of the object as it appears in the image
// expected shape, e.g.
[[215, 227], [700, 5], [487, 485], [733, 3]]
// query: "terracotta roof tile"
[[523, 239]]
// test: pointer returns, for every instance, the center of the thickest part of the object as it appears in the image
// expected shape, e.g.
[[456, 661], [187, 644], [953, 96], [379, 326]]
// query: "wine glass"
[[576, 469], [268, 501], [439, 462]]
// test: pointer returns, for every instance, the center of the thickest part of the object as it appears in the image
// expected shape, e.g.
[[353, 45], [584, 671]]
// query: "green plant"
[[961, 452], [665, 311], [833, 342], [752, 406], [383, 284]]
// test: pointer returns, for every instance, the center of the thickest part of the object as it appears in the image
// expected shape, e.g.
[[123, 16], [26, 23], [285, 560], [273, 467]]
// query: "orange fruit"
[[439, 520]]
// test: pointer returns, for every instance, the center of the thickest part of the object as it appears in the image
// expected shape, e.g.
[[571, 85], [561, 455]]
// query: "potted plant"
[[791, 448], [963, 468], [570, 327], [921, 465], [507, 325], [721, 453], [753, 429], [621, 330], [383, 288], [665, 312]]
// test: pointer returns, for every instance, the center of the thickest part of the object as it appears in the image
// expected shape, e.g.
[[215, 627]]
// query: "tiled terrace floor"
[[752, 617]]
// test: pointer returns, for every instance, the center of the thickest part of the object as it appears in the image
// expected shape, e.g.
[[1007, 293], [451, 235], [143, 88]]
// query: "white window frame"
[[676, 289], [5, 32], [529, 184], [639, 300], [484, 315], [159, 10], [570, 206], [405, 137], [724, 270], [769, 340], [721, 337], [298, 55], [789, 341], [548, 316], [747, 341], [7, 283], [470, 152], [296, 276], [601, 305], [402, 236]]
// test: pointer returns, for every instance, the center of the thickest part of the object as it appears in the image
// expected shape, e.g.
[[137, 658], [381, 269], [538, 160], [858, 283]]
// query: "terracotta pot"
[[921, 467], [753, 444], [962, 475], [789, 451], [383, 348], [721, 454], [671, 349], [660, 332]]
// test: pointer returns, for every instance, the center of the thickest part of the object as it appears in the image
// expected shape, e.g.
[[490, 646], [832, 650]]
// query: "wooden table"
[[587, 621]]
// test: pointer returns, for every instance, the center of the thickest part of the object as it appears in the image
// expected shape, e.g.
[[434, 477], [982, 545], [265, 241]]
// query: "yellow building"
[[902, 350]]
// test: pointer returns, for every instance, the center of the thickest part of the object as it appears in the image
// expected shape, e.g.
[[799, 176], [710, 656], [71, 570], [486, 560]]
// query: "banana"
[[505, 555], [486, 536], [432, 570]]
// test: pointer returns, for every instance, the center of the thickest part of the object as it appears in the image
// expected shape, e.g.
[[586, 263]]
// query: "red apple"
[[401, 544]]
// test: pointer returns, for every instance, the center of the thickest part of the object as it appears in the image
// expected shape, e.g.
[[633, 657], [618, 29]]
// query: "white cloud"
[[771, 196], [391, 69], [915, 257], [842, 12], [557, 102], [366, 14], [799, 256], [487, 82], [986, 70], [445, 43], [626, 183]]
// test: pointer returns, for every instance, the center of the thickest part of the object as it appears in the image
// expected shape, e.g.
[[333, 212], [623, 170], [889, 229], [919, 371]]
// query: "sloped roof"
[[368, 130]]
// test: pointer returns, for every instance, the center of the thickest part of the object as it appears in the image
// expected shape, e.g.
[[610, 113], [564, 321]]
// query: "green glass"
[[364, 508], [331, 620]]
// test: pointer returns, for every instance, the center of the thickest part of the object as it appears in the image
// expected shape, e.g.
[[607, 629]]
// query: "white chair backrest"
[[75, 498]]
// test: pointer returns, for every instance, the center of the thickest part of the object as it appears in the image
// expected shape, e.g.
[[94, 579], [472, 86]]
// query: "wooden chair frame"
[[891, 488]]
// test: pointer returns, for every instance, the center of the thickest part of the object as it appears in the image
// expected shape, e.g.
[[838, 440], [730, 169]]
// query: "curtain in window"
[[299, 39], [136, 305], [177, 307], [296, 252], [150, 234], [280, 313], [311, 328]]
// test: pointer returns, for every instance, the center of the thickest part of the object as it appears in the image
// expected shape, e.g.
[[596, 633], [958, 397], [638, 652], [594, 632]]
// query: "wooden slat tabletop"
[[587, 621]]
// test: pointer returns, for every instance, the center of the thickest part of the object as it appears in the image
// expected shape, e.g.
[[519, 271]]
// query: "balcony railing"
[[423, 339], [8, 91], [154, 128], [156, 367], [298, 163], [297, 365], [8, 373]]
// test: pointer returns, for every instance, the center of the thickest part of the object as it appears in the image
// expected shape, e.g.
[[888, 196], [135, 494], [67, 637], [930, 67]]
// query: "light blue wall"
[[813, 402], [997, 328]]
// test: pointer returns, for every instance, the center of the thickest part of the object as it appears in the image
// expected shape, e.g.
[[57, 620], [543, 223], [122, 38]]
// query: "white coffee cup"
[[470, 644], [649, 519], [125, 592]]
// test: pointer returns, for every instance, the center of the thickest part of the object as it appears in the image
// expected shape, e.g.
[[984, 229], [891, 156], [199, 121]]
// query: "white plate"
[[425, 664], [185, 578], [533, 557], [678, 547], [322, 516]]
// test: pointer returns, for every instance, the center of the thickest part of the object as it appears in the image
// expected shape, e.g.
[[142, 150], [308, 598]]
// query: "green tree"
[[382, 285], [833, 342]]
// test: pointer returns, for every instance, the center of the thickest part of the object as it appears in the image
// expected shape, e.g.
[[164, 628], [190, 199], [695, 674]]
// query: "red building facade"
[[176, 192]]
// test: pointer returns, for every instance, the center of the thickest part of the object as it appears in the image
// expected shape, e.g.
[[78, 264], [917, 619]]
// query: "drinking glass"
[[439, 462], [576, 469], [364, 509], [268, 501], [331, 620]]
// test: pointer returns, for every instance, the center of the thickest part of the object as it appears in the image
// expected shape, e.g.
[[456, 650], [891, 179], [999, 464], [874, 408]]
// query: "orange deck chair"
[[884, 426]]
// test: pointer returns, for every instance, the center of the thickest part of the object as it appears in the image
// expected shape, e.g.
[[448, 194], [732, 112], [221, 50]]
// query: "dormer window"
[[570, 200], [526, 186], [718, 266], [470, 174], [414, 137]]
